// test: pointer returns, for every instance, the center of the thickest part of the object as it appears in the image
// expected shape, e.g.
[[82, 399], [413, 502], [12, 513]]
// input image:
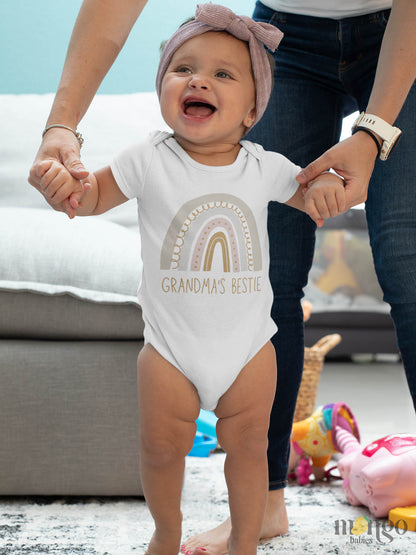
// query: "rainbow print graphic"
[[212, 228]]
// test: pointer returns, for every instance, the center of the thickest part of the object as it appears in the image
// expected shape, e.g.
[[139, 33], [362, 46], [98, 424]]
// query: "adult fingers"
[[314, 169]]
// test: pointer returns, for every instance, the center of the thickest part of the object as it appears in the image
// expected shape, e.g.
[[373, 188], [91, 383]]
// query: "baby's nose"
[[198, 82]]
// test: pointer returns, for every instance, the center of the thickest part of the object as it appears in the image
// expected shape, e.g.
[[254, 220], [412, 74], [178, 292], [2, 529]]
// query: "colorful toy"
[[404, 517], [206, 435], [382, 475], [206, 423], [313, 440], [203, 445]]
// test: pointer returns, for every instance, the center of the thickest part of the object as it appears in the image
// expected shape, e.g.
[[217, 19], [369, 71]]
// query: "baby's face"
[[208, 92]]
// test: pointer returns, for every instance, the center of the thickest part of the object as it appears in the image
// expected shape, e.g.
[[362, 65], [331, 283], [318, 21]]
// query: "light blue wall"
[[34, 36]]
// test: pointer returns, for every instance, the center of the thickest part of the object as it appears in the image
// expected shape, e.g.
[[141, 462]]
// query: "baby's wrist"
[[333, 173], [335, 178]]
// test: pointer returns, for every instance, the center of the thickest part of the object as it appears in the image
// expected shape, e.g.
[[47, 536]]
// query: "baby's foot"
[[215, 541], [163, 544]]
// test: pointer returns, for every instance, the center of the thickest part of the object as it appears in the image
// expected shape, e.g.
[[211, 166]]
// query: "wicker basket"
[[312, 368]]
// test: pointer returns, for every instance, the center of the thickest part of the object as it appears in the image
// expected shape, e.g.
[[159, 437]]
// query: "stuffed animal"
[[313, 440], [338, 277], [382, 475]]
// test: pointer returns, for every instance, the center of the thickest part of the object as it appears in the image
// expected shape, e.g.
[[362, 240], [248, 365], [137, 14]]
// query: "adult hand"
[[59, 145], [353, 159]]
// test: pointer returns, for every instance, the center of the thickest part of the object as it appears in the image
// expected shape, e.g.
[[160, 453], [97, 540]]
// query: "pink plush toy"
[[381, 476]]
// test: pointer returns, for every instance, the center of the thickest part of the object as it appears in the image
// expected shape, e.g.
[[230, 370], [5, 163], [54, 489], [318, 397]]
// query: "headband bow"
[[213, 17], [241, 26]]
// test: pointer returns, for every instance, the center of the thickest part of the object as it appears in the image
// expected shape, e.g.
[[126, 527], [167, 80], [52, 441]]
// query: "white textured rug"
[[319, 521]]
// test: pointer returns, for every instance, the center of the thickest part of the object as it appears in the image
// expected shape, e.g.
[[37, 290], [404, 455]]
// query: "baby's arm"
[[104, 194], [96, 194], [324, 198]]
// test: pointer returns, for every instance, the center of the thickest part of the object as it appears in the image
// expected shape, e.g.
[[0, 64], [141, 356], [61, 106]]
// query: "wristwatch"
[[378, 129]]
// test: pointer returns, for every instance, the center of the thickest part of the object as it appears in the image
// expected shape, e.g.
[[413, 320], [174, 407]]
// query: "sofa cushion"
[[111, 124], [62, 278]]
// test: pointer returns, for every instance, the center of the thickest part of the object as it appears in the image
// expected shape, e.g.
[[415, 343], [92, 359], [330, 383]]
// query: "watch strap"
[[371, 134], [371, 122], [379, 129]]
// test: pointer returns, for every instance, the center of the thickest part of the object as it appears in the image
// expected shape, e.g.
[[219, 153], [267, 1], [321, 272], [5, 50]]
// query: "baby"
[[202, 196]]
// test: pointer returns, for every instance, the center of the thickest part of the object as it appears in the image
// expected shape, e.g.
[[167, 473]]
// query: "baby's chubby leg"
[[243, 413], [168, 407]]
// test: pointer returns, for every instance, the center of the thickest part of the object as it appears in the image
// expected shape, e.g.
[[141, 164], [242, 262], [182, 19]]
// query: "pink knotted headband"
[[213, 17]]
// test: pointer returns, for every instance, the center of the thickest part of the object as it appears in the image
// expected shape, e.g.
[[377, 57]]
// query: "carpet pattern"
[[319, 521]]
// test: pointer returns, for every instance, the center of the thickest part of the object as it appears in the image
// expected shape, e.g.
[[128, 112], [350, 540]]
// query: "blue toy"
[[206, 436]]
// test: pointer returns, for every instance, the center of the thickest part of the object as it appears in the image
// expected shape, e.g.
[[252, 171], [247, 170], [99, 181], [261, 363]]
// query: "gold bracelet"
[[77, 134]]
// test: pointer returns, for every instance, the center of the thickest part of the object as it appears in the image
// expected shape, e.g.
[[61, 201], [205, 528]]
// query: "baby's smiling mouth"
[[198, 108]]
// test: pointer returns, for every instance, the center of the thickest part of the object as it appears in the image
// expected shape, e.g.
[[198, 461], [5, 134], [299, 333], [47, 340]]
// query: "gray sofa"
[[70, 324], [70, 333]]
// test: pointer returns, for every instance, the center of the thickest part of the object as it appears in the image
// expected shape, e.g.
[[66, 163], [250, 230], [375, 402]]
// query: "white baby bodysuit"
[[205, 292]]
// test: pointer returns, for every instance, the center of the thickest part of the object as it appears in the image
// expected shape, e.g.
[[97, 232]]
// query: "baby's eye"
[[223, 75], [184, 69]]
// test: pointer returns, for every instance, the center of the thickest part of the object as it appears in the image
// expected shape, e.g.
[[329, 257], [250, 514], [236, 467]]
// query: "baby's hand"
[[62, 191], [325, 198]]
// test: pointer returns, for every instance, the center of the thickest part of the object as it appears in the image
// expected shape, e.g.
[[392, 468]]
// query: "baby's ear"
[[250, 118]]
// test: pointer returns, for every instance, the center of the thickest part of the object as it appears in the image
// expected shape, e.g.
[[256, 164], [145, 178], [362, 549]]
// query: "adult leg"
[[391, 202], [167, 430], [303, 119], [391, 216]]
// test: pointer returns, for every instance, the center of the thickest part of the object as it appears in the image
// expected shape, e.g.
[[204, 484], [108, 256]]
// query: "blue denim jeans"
[[325, 71]]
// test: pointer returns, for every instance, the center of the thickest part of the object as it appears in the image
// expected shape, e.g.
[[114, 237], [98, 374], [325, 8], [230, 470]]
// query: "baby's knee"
[[162, 452], [243, 438]]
